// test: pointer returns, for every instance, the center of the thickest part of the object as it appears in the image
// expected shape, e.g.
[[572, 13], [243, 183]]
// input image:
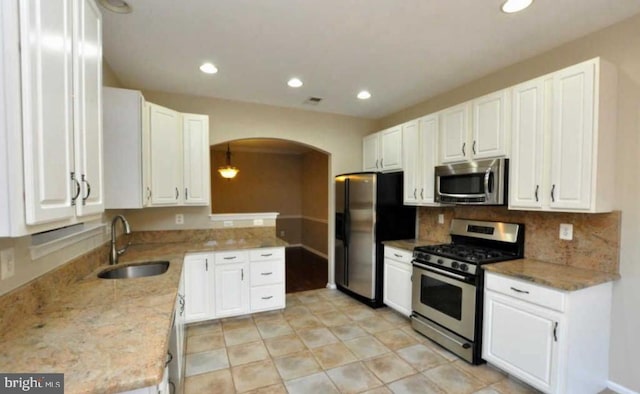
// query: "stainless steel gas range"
[[447, 282]]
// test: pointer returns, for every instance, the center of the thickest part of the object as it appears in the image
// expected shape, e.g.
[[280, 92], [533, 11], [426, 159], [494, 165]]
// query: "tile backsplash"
[[595, 244]]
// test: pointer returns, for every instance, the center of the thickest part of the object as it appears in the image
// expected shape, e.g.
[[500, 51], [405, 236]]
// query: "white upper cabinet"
[[195, 137], [165, 130], [420, 142], [578, 126], [526, 181], [382, 151], [53, 113], [88, 108], [454, 133], [490, 122], [52, 186], [476, 129], [157, 156]]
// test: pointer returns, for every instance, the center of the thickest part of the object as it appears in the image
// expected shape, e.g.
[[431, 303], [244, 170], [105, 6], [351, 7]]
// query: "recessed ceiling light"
[[511, 6], [364, 95], [208, 68], [118, 6], [294, 83]]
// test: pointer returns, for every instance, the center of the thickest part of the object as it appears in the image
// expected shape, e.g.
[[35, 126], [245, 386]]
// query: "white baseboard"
[[331, 286], [620, 389]]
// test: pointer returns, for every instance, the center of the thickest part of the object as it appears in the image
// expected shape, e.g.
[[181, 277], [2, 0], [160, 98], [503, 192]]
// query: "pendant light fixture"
[[228, 171]]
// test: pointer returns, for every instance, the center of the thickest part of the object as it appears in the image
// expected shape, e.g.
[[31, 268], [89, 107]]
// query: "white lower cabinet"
[[397, 279], [556, 341], [233, 283], [177, 343]]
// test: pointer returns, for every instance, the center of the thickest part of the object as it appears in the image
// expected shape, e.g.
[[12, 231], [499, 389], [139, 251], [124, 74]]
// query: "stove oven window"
[[441, 296]]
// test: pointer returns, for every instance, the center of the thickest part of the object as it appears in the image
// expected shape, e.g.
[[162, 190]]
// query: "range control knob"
[[464, 267], [454, 264], [427, 257], [440, 261]]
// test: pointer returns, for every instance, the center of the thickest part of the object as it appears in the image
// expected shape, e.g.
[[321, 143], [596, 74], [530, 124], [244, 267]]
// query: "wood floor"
[[304, 270]]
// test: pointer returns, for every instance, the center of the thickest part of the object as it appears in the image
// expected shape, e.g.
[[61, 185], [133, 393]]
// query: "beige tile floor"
[[326, 342]]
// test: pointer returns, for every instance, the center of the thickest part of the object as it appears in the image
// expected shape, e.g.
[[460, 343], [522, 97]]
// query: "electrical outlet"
[[7, 263], [566, 231], [282, 233], [228, 223], [179, 218], [440, 218]]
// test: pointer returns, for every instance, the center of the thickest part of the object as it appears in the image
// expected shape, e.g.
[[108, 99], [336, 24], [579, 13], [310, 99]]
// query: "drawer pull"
[[397, 255], [266, 254], [267, 298], [229, 258], [266, 273], [519, 291]]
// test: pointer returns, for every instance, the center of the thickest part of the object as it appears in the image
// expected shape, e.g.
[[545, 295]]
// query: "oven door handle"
[[440, 271]]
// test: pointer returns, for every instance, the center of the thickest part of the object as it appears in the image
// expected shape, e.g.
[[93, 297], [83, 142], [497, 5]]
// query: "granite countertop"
[[108, 335], [557, 276], [409, 244]]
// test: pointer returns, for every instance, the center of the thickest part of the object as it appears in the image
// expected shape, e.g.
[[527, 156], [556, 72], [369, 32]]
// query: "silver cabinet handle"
[[473, 147], [414, 193], [422, 193], [170, 358], [464, 145], [377, 163], [84, 198], [186, 193], [148, 193], [78, 188], [266, 273], [397, 255], [242, 274], [266, 254], [229, 258], [553, 189], [206, 264], [177, 193], [555, 332], [536, 192], [519, 291], [381, 163], [181, 297], [267, 298]]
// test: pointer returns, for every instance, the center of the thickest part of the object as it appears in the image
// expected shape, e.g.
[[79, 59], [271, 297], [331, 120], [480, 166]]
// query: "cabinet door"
[[195, 132], [454, 133], [572, 137], [51, 184], [397, 286], [166, 155], [88, 107], [232, 289], [412, 160], [391, 149], [370, 153], [526, 189], [490, 120], [197, 287], [521, 339], [428, 157]]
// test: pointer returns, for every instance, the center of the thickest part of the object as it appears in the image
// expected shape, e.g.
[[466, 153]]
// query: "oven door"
[[446, 298]]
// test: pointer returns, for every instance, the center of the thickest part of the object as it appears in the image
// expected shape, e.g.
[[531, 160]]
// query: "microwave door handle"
[[461, 195], [487, 176]]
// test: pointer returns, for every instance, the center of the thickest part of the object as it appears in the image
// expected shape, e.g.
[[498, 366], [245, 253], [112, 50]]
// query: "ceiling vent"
[[313, 100]]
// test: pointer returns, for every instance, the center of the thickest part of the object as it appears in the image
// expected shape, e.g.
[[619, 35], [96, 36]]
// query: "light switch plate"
[[7, 263], [566, 231]]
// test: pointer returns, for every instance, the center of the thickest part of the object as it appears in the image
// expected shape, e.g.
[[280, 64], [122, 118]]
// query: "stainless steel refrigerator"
[[369, 210]]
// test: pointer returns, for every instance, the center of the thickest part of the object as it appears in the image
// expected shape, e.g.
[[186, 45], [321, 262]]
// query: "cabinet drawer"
[[266, 254], [267, 297], [401, 255], [267, 272], [527, 291], [234, 256]]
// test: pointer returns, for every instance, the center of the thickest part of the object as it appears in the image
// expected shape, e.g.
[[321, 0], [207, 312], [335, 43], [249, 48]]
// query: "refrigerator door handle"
[[347, 228]]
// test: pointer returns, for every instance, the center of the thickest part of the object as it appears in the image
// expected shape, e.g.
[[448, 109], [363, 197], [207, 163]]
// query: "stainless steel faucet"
[[115, 253]]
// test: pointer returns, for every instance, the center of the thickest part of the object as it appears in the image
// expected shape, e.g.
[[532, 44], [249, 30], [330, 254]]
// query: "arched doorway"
[[286, 177]]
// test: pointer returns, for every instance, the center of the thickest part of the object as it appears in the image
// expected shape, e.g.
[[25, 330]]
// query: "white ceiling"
[[403, 51]]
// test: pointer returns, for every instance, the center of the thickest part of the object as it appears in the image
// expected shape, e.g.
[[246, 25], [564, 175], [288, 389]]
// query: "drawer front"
[[401, 255], [267, 272], [233, 256], [266, 254], [267, 297], [526, 291]]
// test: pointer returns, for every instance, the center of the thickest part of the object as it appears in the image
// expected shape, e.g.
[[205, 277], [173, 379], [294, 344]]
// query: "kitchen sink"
[[135, 270]]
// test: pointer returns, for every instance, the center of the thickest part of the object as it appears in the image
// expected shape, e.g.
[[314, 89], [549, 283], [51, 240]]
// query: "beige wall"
[[619, 44], [315, 198]]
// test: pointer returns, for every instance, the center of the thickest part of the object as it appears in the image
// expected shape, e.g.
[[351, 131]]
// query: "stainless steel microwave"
[[482, 182]]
